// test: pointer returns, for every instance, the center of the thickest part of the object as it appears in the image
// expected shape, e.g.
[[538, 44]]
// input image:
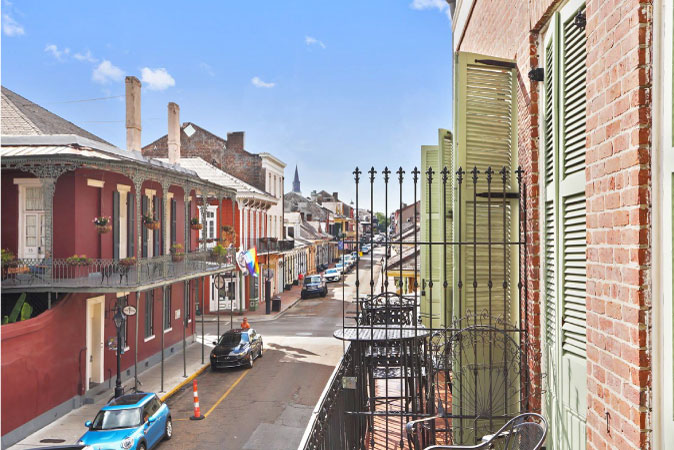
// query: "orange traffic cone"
[[197, 412]]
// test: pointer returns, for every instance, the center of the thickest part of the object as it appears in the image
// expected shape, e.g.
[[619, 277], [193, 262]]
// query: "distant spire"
[[296, 181]]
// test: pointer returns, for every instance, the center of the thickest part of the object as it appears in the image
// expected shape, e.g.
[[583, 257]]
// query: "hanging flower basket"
[[128, 262], [177, 252], [150, 222], [195, 225], [103, 224]]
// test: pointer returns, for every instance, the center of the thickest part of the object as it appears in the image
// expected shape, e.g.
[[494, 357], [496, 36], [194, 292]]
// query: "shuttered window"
[[149, 314], [174, 227], [156, 234], [131, 224], [485, 136], [115, 224], [143, 230]]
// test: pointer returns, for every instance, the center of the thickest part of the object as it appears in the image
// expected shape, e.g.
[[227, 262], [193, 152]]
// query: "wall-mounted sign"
[[129, 310]]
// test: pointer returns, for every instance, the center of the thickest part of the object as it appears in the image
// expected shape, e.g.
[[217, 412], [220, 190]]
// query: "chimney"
[[173, 132], [133, 114], [335, 197], [235, 140]]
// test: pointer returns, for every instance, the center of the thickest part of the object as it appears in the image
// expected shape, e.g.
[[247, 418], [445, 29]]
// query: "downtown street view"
[[393, 224]]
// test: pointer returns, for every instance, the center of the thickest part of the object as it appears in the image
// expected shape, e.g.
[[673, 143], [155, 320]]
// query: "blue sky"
[[324, 85]]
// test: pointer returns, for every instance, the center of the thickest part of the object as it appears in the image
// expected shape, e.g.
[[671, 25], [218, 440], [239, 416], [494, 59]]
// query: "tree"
[[383, 222]]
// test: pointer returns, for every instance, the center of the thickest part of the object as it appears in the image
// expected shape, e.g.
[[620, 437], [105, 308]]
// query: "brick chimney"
[[173, 132], [133, 114], [335, 197], [235, 140]]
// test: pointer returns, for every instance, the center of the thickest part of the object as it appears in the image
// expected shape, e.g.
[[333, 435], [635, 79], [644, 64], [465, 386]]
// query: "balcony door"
[[32, 229]]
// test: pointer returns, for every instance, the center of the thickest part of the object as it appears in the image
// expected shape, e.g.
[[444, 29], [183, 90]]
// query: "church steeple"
[[296, 182]]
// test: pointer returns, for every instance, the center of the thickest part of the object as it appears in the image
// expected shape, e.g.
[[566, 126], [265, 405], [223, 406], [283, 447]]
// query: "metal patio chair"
[[524, 432], [475, 385]]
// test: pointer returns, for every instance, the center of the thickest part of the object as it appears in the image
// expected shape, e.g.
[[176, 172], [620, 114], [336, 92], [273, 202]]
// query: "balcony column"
[[137, 180], [204, 206]]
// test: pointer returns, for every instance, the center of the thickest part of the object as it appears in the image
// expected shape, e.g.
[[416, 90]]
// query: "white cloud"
[[156, 79], [257, 82], [313, 41], [207, 68], [56, 53], [10, 26], [440, 5], [85, 57], [106, 72]]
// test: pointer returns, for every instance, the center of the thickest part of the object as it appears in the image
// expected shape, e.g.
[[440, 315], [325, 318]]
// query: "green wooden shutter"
[[131, 224], [174, 227], [156, 234], [115, 224], [143, 230], [430, 262], [446, 145], [485, 136]]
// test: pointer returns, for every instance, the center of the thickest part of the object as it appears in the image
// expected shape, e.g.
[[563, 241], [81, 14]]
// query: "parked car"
[[237, 347], [314, 285], [340, 267], [365, 249], [132, 422], [333, 275]]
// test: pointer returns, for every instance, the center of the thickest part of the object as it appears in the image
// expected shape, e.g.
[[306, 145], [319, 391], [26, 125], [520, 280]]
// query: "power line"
[[88, 100]]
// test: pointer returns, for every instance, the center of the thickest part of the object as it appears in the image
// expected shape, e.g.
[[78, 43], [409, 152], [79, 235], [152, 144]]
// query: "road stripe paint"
[[170, 393], [226, 393], [304, 333]]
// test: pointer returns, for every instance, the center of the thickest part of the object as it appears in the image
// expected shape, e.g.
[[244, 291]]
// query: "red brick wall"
[[618, 178], [619, 217]]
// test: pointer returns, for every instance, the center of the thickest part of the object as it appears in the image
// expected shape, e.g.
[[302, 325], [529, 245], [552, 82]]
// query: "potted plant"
[[218, 253], [177, 252], [78, 266], [150, 222], [194, 224], [103, 224], [8, 260], [229, 234], [78, 260], [128, 262]]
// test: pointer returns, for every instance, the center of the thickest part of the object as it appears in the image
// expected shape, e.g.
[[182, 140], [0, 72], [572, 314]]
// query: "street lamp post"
[[119, 320]]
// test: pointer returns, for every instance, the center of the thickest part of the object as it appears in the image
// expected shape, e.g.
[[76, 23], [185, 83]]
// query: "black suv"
[[314, 285]]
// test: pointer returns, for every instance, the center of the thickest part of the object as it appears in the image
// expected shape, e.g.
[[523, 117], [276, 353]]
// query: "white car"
[[333, 275]]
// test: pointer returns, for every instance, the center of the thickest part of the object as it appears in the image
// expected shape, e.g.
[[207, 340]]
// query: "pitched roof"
[[21, 117]]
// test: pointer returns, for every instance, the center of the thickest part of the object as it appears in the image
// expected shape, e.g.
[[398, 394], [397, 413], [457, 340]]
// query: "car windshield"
[[232, 339], [331, 271], [116, 418], [315, 279]]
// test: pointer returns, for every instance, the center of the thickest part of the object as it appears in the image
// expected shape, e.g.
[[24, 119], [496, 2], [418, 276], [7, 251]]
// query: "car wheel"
[[250, 360], [260, 355], [168, 433]]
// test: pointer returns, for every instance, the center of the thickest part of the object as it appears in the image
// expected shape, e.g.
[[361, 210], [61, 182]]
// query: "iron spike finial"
[[386, 173], [489, 173], [415, 175], [372, 172], [474, 172], [357, 173], [430, 172], [519, 173], [504, 174], [460, 174], [444, 173], [400, 173]]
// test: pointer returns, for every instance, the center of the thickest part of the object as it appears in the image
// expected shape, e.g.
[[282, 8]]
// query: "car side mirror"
[[151, 419], [87, 424]]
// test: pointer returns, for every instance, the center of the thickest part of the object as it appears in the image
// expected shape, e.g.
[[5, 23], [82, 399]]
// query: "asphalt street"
[[269, 406]]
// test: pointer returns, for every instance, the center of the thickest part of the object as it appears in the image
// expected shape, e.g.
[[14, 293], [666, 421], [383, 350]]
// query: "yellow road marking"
[[227, 392], [187, 380]]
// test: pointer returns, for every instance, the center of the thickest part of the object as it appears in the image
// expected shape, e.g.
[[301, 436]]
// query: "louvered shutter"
[[188, 246], [115, 224], [431, 230], [156, 234], [446, 144], [485, 136], [143, 230], [173, 220], [131, 224]]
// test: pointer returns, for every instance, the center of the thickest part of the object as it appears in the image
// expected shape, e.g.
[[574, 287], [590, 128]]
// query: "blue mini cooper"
[[133, 421]]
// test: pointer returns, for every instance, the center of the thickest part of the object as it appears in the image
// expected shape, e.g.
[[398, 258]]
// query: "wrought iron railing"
[[332, 424], [67, 273]]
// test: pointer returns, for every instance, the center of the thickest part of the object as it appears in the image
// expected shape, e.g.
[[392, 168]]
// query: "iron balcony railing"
[[286, 244], [89, 273], [333, 423]]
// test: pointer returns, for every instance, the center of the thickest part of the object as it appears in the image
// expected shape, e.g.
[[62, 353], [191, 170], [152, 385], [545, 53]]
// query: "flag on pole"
[[251, 262]]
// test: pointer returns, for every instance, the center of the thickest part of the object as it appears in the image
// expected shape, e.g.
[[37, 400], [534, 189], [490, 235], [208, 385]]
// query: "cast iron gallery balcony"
[[102, 275]]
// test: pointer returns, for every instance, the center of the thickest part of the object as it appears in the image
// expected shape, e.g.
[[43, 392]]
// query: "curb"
[[182, 384]]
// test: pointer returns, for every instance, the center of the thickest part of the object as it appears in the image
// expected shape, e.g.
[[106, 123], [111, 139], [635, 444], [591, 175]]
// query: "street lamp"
[[118, 318]]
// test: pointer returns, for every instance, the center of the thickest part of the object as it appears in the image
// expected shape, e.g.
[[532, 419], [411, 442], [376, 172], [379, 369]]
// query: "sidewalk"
[[69, 428]]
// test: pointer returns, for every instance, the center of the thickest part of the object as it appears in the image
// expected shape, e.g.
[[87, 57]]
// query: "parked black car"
[[314, 285], [235, 348]]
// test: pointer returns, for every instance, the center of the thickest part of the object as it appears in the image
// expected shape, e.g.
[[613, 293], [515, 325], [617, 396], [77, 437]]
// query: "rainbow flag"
[[251, 261]]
